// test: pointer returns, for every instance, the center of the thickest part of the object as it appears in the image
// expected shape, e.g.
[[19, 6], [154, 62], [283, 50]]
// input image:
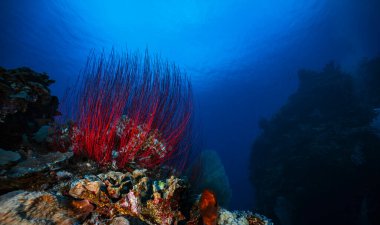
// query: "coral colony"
[[131, 110]]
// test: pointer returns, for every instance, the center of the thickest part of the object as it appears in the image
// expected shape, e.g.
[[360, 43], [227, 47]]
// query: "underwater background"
[[243, 58]]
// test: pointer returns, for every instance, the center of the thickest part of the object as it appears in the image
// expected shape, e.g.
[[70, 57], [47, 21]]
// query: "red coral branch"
[[140, 109]]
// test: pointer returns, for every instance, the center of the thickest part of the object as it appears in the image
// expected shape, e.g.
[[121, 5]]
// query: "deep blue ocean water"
[[242, 56]]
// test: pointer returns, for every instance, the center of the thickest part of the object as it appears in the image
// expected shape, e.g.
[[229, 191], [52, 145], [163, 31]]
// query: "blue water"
[[242, 55]]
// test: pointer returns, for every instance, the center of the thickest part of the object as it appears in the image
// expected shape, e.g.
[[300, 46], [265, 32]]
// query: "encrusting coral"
[[132, 194], [106, 197]]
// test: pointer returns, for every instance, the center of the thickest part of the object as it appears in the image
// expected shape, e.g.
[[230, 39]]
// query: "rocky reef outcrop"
[[27, 109], [26, 105], [316, 160]]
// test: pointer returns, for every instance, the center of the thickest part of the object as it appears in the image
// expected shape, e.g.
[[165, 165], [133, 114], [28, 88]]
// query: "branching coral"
[[131, 111]]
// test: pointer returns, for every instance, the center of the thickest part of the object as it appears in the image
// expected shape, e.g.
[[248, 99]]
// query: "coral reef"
[[132, 194], [316, 160], [118, 198], [40, 186]]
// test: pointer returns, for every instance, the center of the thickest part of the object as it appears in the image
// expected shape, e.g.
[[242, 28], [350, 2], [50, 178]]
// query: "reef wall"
[[317, 160]]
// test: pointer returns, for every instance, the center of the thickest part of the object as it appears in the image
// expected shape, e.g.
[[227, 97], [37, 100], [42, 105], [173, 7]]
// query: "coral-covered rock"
[[25, 105], [82, 207], [90, 190], [26, 208], [35, 173], [39, 162], [132, 194], [119, 221], [241, 218], [142, 200], [61, 175]]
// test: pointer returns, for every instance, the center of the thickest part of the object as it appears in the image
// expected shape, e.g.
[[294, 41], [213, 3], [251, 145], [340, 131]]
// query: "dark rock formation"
[[37, 172], [25, 105], [317, 160], [26, 110]]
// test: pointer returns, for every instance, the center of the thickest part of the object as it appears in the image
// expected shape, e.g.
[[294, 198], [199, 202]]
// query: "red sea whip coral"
[[129, 110]]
